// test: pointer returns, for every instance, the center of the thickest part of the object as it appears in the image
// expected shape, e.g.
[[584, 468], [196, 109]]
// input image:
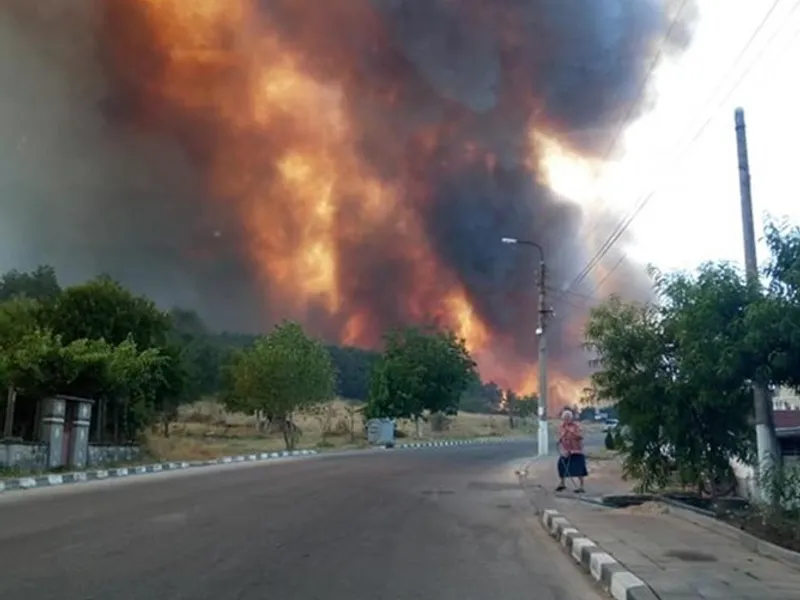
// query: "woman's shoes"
[[561, 488]]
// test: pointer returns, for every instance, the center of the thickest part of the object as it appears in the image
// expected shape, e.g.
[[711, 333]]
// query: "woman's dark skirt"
[[573, 465]]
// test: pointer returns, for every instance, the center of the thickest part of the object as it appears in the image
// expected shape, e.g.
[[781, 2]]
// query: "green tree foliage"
[[39, 284], [281, 374], [526, 406], [96, 340], [353, 367], [679, 370], [40, 364], [103, 309], [774, 321], [200, 353], [482, 397], [420, 371]]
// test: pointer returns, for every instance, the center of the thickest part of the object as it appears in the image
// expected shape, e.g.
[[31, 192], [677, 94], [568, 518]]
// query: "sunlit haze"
[[694, 212]]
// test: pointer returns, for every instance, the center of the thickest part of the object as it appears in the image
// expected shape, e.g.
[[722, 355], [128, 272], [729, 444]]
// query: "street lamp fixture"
[[541, 331]]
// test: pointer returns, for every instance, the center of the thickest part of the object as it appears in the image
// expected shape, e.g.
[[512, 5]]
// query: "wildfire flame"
[[276, 116]]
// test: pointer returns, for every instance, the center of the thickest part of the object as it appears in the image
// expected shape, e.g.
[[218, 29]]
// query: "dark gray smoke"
[[89, 194], [90, 182]]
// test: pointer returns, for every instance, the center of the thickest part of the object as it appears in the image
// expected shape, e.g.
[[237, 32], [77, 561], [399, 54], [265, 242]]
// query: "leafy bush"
[[781, 485], [610, 442], [777, 516]]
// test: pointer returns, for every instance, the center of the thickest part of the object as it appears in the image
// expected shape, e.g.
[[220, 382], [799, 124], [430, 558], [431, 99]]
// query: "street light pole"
[[541, 331], [766, 443]]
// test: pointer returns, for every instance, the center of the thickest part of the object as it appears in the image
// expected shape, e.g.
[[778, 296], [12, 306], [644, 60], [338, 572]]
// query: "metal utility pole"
[[543, 437], [764, 421]]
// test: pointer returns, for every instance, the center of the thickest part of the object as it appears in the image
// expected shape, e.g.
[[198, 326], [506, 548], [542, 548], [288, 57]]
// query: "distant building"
[[786, 398], [787, 429]]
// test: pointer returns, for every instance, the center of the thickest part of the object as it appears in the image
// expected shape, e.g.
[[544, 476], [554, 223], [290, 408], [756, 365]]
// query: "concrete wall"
[[745, 479], [26, 456], [32, 456], [746, 475], [105, 454]]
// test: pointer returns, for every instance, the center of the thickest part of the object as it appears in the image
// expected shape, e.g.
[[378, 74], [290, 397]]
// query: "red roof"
[[787, 419]]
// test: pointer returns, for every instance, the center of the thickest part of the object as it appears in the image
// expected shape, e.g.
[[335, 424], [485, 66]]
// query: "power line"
[[625, 222], [608, 274], [625, 121], [571, 293]]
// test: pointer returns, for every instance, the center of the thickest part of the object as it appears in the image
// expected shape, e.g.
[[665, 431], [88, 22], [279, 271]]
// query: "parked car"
[[610, 425]]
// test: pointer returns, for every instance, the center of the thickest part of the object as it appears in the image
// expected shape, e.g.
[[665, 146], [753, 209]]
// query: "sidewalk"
[[679, 560]]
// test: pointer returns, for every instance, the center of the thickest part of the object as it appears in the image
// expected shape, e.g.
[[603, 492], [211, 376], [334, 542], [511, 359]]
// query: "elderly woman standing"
[[572, 462]]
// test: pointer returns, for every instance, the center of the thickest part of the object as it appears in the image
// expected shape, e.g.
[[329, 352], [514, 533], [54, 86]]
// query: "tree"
[[679, 371], [40, 365], [482, 397], [103, 309], [39, 284], [773, 322], [353, 367], [281, 374], [527, 406], [201, 355], [419, 371], [175, 382]]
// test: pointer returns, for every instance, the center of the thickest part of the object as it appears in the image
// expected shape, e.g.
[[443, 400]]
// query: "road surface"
[[440, 524]]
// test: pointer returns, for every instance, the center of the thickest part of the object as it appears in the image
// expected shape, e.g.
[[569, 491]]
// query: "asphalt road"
[[441, 524]]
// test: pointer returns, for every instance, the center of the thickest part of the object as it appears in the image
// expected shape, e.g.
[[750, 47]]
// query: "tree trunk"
[[418, 428], [101, 420], [116, 418], [127, 429], [261, 421], [289, 437], [37, 421], [11, 401]]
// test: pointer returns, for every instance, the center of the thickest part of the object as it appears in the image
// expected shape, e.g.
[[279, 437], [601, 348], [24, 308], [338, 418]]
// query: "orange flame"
[[285, 154]]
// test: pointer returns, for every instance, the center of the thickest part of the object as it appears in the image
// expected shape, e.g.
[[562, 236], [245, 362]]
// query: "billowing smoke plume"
[[351, 163]]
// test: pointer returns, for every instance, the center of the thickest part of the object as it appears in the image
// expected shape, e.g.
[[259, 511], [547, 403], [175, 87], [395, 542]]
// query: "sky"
[[683, 152]]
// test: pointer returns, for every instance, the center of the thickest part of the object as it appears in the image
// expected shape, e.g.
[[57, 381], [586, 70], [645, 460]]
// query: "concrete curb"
[[603, 568], [446, 443], [41, 481], [28, 483]]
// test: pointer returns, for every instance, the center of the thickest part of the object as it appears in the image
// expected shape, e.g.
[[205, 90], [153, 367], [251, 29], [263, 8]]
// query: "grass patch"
[[205, 430]]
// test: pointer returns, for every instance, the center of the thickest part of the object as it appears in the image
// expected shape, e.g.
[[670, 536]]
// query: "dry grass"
[[206, 430]]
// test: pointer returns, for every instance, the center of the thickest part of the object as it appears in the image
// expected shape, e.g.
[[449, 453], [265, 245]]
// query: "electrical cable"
[[625, 222]]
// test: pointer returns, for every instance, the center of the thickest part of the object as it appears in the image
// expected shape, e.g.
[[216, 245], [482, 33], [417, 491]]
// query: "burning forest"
[[351, 164]]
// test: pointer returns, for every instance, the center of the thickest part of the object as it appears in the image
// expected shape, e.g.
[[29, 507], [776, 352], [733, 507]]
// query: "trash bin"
[[380, 432]]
